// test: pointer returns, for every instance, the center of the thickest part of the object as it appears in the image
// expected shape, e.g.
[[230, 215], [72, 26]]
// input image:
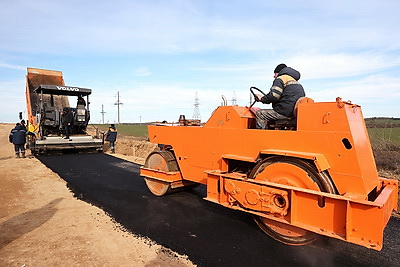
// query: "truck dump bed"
[[36, 77]]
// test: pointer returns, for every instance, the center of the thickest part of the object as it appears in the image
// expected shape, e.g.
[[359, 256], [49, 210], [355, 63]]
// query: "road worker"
[[111, 136], [18, 138], [284, 93], [67, 120]]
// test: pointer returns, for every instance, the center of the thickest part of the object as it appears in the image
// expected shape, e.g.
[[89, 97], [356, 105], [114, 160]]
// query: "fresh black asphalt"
[[209, 234]]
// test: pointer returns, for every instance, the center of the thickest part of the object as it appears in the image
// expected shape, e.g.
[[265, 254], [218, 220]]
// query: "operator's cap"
[[279, 68]]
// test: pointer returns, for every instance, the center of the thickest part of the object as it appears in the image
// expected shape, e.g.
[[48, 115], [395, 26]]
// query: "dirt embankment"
[[131, 148], [42, 224], [135, 149]]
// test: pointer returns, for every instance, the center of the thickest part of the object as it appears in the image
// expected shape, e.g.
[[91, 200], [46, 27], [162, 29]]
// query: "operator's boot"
[[23, 154], [112, 150], [17, 154]]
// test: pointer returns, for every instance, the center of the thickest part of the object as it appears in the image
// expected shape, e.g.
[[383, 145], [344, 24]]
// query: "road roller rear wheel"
[[293, 172], [161, 161]]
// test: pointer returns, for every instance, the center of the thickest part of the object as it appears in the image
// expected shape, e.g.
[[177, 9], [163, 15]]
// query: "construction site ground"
[[43, 224]]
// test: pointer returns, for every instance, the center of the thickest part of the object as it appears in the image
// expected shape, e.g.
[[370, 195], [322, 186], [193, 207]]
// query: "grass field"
[[391, 135], [138, 130], [384, 122]]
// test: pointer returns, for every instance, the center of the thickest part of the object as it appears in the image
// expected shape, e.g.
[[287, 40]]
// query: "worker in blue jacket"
[[111, 137], [18, 138]]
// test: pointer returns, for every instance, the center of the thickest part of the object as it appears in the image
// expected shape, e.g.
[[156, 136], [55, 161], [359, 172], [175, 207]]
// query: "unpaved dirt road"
[[43, 224]]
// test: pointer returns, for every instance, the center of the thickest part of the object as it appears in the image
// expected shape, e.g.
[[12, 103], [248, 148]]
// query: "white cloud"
[[179, 26], [142, 72], [11, 66], [371, 89], [340, 47], [340, 65], [13, 95]]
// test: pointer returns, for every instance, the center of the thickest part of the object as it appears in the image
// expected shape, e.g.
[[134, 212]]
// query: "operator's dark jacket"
[[285, 91], [67, 117], [18, 135], [111, 135]]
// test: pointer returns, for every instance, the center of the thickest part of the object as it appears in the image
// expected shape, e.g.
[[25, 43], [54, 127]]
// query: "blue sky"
[[158, 54]]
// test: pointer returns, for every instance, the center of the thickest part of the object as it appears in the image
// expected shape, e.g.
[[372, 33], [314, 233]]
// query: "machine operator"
[[283, 95]]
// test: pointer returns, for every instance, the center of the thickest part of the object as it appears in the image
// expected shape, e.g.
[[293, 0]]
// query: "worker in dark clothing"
[[81, 101], [283, 95], [23, 124], [111, 136], [67, 121], [18, 138], [28, 133]]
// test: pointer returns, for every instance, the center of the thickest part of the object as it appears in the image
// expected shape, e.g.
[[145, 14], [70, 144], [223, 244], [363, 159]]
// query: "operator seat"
[[289, 123]]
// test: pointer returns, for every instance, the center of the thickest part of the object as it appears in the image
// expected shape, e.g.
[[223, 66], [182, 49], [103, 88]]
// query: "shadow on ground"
[[26, 222]]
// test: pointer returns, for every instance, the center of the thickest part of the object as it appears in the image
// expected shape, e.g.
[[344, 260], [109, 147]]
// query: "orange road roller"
[[312, 175]]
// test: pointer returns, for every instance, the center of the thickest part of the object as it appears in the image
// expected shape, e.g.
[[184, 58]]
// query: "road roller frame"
[[317, 177]]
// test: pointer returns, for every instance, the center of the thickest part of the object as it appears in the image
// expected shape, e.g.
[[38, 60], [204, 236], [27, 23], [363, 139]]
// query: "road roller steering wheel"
[[254, 95]]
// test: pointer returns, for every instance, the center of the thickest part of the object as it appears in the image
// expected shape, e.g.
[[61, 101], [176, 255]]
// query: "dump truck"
[[309, 176], [47, 100]]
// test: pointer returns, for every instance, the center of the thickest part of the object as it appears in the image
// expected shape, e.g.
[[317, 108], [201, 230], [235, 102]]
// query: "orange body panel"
[[332, 136], [226, 135], [357, 221]]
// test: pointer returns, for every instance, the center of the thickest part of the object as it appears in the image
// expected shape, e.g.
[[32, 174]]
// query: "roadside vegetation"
[[385, 140], [137, 130]]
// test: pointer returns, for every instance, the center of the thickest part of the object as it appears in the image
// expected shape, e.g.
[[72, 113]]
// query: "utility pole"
[[118, 103], [234, 99], [251, 99], [102, 112], [196, 111]]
